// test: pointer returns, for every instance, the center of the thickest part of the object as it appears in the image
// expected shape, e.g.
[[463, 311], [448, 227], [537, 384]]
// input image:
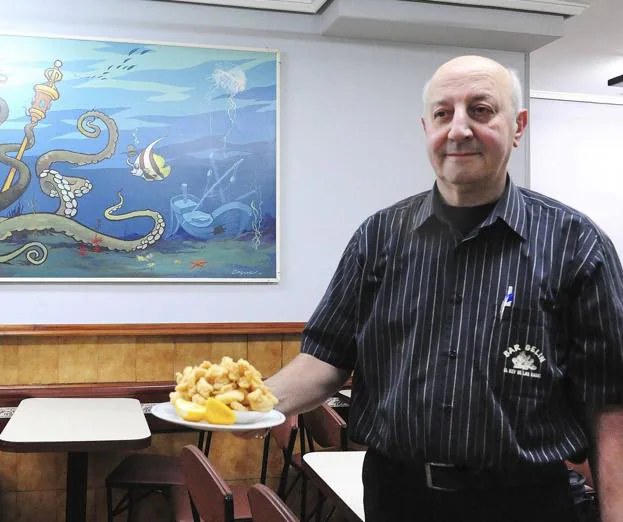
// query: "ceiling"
[[590, 52]]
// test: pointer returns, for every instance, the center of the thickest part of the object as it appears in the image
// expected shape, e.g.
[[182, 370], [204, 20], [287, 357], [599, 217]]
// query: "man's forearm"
[[305, 383], [608, 426]]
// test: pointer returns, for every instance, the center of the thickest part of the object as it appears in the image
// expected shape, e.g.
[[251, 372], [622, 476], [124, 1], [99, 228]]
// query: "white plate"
[[166, 411], [247, 417]]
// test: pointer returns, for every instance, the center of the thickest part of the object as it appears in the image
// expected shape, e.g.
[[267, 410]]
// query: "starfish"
[[200, 263]]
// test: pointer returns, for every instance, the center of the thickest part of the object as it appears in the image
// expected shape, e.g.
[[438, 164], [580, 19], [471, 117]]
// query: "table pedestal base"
[[76, 500]]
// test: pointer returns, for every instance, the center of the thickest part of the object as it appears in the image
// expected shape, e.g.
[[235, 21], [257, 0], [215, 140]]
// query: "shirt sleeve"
[[329, 335], [596, 324]]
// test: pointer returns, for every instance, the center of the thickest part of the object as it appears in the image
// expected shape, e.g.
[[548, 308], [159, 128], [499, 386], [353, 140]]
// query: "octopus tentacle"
[[68, 188], [147, 240], [83, 233], [36, 253], [91, 131]]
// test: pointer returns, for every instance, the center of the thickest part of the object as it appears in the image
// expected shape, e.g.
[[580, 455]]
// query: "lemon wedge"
[[217, 412], [189, 410]]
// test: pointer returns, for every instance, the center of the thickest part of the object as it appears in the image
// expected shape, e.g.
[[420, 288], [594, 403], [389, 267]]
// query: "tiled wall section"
[[32, 485]]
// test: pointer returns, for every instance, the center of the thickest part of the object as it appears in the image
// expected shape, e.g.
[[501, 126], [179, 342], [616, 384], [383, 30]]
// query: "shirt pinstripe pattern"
[[414, 310]]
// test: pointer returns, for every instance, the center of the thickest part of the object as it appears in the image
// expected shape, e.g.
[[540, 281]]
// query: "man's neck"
[[470, 195]]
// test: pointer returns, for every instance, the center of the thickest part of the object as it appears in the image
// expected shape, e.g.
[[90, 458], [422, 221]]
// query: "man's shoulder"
[[535, 201], [401, 209], [540, 206]]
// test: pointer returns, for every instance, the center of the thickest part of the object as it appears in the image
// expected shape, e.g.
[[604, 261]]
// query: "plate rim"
[[205, 426]]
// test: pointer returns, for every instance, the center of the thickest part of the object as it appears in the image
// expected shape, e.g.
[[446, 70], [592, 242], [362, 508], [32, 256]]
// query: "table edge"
[[70, 447]]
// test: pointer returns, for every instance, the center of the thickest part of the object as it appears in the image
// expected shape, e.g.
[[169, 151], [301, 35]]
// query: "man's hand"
[[305, 383], [300, 386]]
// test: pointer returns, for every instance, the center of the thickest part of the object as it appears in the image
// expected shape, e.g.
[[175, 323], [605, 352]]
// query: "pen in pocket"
[[507, 302]]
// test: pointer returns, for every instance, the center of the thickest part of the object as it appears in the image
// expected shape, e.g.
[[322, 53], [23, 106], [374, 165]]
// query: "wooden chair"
[[211, 497], [144, 474], [321, 429], [266, 506]]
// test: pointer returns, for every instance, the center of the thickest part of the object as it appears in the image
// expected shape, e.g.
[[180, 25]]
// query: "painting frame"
[[270, 271]]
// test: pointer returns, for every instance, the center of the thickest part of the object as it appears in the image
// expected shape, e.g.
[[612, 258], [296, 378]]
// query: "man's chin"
[[463, 177]]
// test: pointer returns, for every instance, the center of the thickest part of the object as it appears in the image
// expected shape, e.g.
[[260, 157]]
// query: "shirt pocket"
[[520, 353]]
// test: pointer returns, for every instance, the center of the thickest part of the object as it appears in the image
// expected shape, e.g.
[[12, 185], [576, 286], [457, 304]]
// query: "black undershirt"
[[465, 219]]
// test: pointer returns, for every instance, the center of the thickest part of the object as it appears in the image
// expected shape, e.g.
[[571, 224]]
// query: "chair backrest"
[[285, 434], [323, 427], [210, 495], [266, 506]]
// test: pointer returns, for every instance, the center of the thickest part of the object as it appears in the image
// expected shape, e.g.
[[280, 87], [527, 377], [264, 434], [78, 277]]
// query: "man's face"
[[470, 124]]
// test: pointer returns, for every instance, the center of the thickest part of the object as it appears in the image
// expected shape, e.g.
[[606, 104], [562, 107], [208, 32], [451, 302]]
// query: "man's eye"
[[440, 114], [481, 110]]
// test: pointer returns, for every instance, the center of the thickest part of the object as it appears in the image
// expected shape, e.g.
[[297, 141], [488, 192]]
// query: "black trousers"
[[398, 492]]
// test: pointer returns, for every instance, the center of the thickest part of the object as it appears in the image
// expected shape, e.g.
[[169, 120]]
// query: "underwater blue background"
[[208, 107]]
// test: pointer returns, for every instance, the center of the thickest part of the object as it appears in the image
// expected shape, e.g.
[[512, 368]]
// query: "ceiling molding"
[[561, 7], [300, 6], [429, 23], [576, 97]]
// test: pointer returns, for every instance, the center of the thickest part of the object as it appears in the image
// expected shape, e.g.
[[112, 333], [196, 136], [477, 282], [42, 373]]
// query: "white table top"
[[341, 471], [79, 424]]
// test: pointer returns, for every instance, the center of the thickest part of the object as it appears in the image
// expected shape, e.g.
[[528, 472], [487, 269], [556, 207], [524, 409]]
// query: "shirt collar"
[[510, 208]]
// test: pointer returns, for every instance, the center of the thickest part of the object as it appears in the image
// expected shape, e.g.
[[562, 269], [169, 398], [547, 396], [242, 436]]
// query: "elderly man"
[[483, 324]]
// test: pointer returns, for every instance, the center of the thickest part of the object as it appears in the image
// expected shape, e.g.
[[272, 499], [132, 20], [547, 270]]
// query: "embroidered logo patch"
[[523, 361]]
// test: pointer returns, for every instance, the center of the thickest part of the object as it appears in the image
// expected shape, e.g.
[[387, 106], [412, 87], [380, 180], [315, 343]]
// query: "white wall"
[[576, 157], [351, 142]]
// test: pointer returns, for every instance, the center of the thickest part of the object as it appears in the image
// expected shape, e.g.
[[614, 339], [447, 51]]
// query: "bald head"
[[507, 79]]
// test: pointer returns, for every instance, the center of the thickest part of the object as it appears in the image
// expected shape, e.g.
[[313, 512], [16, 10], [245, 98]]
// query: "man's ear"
[[521, 122]]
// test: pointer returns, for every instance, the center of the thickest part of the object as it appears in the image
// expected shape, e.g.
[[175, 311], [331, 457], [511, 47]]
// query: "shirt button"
[[452, 354], [456, 299], [447, 408]]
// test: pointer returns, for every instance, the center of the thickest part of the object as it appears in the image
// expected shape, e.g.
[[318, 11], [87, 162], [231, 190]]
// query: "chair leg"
[[207, 443], [290, 488], [109, 504], [265, 451], [303, 497], [196, 517], [130, 506], [282, 490], [319, 504]]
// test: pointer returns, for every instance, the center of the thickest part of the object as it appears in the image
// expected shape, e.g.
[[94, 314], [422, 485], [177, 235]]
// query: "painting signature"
[[235, 271]]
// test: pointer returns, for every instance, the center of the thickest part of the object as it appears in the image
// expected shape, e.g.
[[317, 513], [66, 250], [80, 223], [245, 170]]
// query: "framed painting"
[[137, 161]]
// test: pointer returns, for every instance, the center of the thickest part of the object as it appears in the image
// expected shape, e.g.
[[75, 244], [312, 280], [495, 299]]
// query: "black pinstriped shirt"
[[440, 366]]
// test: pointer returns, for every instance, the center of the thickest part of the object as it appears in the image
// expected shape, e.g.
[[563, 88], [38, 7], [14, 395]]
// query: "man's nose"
[[460, 128]]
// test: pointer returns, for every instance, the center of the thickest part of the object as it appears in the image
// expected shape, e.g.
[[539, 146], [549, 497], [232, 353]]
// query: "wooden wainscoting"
[[133, 360]]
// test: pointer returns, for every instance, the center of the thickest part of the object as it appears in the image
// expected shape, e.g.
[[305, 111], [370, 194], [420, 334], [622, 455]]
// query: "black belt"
[[447, 477], [450, 477]]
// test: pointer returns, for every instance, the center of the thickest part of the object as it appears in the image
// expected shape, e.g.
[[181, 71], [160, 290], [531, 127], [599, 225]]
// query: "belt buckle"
[[429, 475]]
